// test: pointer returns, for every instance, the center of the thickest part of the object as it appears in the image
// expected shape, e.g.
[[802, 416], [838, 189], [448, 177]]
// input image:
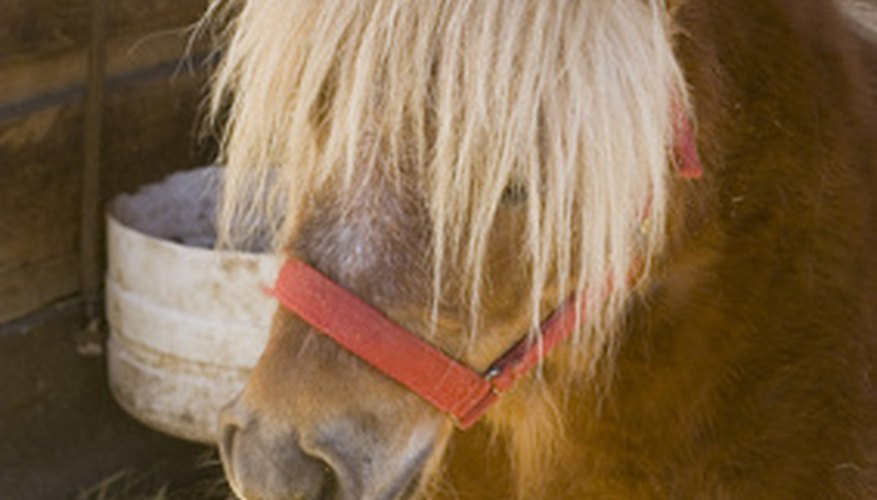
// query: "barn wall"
[[59, 428], [150, 109]]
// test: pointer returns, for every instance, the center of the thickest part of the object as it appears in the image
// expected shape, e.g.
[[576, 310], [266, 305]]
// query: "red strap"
[[376, 339], [526, 354], [688, 165]]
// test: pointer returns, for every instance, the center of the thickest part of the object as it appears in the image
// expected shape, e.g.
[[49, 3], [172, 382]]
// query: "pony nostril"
[[259, 465], [340, 473], [230, 424], [226, 440], [309, 475], [329, 489]]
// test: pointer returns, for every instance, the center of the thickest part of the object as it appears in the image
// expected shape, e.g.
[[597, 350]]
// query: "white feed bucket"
[[187, 323]]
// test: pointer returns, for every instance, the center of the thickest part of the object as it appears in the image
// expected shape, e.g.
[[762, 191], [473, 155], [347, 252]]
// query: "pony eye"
[[514, 194]]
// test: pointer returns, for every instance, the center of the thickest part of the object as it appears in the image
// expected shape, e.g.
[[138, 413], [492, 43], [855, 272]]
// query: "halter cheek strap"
[[688, 165], [453, 388]]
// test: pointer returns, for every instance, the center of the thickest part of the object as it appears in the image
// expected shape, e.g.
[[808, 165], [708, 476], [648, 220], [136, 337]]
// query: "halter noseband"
[[450, 386]]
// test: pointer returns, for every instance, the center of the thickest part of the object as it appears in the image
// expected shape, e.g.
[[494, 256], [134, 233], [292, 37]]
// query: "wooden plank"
[[26, 288], [150, 127], [151, 130], [36, 175], [150, 114], [38, 209], [59, 78], [35, 29], [154, 17]]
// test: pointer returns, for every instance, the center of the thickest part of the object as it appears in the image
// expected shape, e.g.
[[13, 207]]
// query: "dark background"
[[60, 430]]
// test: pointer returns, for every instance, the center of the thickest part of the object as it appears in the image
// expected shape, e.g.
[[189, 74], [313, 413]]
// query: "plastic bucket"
[[187, 323]]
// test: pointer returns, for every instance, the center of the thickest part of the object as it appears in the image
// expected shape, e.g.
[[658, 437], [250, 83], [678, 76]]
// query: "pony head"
[[462, 166]]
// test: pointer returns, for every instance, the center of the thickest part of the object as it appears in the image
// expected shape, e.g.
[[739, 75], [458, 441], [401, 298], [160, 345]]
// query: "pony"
[[465, 167]]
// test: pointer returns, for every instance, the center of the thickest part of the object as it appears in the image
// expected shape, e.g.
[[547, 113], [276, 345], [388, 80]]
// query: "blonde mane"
[[571, 103]]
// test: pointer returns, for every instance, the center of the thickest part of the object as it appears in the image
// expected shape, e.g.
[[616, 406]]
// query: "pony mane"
[[570, 104]]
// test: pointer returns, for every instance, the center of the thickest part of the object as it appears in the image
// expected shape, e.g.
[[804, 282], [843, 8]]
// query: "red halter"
[[453, 388]]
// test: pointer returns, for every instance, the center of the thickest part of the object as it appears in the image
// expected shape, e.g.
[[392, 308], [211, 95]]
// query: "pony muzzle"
[[261, 466]]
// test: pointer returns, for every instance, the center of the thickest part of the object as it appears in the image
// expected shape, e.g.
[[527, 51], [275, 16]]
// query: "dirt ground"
[[62, 437], [152, 483]]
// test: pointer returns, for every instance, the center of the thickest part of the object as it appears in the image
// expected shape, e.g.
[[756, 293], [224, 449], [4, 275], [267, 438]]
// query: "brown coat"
[[747, 370]]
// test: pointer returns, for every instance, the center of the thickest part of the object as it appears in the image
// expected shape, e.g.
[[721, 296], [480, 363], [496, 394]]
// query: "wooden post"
[[89, 236]]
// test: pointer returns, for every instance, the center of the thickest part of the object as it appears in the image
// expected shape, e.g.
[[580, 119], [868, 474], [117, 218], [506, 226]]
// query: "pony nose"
[[264, 467]]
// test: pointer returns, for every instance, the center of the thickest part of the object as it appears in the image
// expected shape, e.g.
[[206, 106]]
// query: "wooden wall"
[[150, 109]]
